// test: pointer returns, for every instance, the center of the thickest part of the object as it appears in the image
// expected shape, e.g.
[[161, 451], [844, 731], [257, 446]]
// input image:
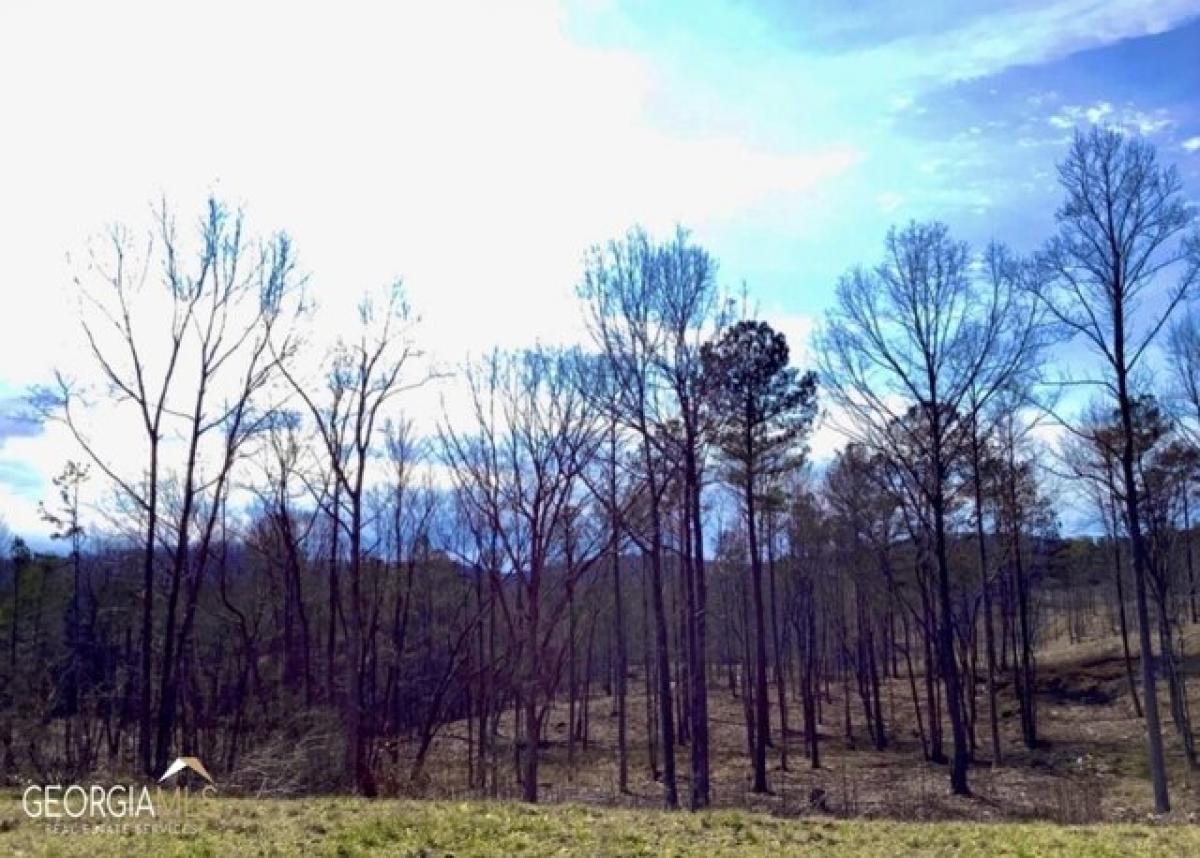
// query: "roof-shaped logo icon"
[[192, 763]]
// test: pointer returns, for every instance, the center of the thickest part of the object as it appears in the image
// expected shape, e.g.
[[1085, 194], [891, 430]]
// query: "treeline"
[[305, 583]]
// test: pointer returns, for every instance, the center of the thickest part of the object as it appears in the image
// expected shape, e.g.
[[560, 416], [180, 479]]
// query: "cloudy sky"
[[477, 149]]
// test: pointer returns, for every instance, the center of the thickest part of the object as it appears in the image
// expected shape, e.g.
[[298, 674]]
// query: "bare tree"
[[363, 375], [613, 488], [921, 331], [520, 468], [244, 334], [1123, 229], [618, 290], [1183, 353], [1020, 353], [285, 460], [223, 299], [688, 309]]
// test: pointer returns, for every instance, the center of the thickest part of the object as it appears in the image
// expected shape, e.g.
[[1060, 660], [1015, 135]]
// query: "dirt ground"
[[1089, 767]]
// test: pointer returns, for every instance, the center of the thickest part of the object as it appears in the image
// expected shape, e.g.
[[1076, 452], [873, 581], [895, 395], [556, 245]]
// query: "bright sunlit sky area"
[[477, 149]]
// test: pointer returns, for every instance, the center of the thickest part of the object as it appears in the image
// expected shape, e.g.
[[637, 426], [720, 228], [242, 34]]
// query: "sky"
[[477, 149]]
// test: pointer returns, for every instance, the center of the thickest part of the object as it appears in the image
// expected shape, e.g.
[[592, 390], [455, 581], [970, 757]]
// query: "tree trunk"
[[146, 682], [780, 680], [647, 666], [1187, 551], [335, 525], [989, 634], [1154, 744], [622, 655], [700, 790], [663, 655], [762, 726], [1119, 576], [572, 677], [958, 765]]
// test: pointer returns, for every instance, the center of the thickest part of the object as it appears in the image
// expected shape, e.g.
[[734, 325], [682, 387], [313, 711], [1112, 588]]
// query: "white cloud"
[[22, 519], [1127, 117], [1192, 144], [1098, 112], [1026, 35], [472, 148], [479, 171], [798, 329]]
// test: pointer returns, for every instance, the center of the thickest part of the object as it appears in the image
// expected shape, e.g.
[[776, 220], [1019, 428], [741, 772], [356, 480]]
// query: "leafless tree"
[[1124, 231], [519, 467], [204, 376], [619, 294], [363, 375], [921, 331], [689, 309]]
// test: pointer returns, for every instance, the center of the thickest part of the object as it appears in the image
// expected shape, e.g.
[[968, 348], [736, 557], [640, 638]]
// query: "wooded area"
[[312, 587]]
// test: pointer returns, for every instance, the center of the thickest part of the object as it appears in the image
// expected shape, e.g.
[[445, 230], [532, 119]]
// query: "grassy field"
[[347, 827]]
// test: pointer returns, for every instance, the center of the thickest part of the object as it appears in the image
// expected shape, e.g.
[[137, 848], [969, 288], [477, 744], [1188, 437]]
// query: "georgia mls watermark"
[[121, 808]]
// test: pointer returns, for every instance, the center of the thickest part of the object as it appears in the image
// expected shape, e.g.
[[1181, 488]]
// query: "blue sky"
[[955, 111], [477, 149]]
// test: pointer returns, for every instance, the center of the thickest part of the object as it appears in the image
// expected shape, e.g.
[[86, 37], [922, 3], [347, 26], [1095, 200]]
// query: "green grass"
[[351, 827]]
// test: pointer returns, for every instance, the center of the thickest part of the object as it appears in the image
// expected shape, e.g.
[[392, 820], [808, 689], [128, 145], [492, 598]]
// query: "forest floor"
[[1089, 766], [351, 827], [1084, 790]]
